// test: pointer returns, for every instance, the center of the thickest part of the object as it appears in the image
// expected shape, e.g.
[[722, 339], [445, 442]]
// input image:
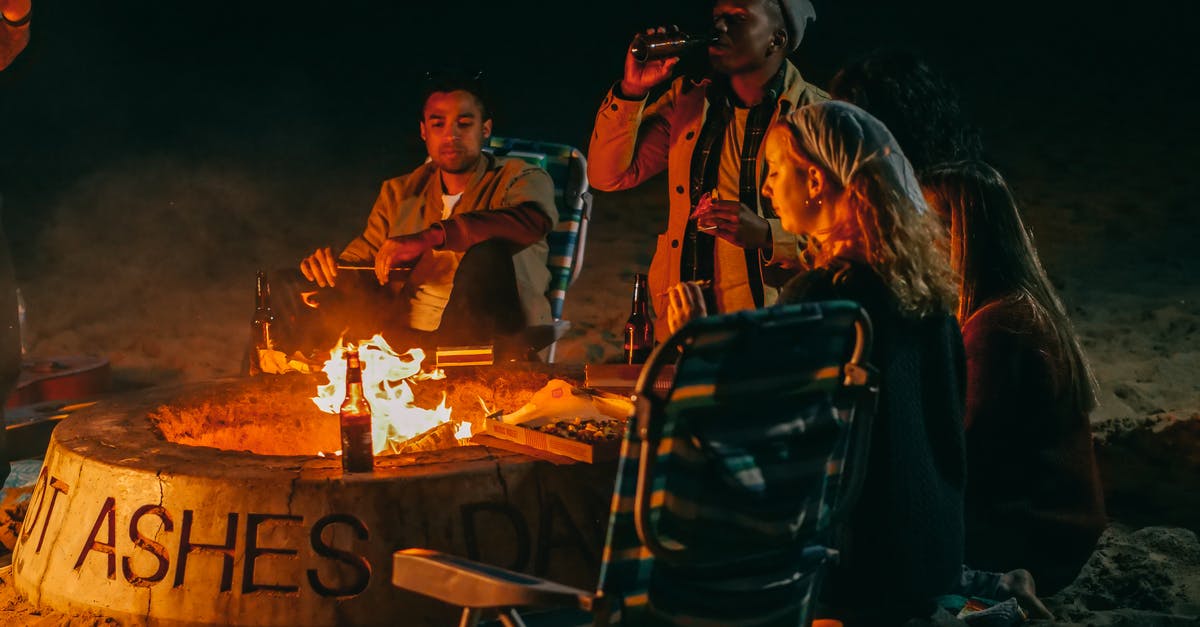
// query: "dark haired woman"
[[1033, 497]]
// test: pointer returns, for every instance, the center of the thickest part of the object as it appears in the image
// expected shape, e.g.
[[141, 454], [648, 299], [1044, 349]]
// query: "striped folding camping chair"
[[732, 481], [568, 169], [730, 486]]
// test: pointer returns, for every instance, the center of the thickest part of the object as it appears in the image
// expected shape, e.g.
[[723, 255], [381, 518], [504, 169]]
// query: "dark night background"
[[300, 88], [151, 147]]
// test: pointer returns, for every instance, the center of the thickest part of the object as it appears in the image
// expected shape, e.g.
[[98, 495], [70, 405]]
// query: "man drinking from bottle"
[[707, 133]]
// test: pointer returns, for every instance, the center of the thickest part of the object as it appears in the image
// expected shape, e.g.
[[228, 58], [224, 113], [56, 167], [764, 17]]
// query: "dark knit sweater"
[[1033, 489], [905, 537]]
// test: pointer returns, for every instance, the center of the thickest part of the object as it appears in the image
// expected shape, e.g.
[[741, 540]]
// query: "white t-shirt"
[[448, 203]]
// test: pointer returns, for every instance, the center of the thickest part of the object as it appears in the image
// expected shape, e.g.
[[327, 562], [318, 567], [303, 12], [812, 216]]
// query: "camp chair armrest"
[[542, 335], [585, 198], [466, 583]]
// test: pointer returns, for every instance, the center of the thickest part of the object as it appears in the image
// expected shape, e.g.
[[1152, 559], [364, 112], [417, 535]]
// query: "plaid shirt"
[[698, 251]]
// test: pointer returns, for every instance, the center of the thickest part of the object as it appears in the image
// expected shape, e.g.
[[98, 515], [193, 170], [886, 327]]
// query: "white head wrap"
[[843, 138]]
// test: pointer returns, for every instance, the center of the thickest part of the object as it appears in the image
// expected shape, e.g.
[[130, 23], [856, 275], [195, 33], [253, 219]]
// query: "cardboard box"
[[622, 378], [464, 356], [574, 449]]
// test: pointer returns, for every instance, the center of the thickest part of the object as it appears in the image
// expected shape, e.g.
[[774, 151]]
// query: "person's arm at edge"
[[14, 34]]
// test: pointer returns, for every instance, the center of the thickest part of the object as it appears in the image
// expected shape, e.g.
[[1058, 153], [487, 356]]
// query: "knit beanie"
[[796, 15]]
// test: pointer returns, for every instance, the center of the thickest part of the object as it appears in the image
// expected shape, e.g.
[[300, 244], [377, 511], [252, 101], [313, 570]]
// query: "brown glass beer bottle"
[[262, 331], [655, 46], [358, 452], [264, 317], [639, 330]]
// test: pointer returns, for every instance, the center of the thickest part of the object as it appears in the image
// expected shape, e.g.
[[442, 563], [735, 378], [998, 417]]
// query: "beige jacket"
[[634, 141], [522, 199]]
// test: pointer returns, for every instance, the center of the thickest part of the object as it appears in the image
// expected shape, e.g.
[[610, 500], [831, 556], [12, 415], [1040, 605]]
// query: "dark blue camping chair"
[[730, 484]]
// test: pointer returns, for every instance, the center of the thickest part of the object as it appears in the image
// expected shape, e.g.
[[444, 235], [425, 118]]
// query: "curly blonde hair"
[[905, 245], [892, 232]]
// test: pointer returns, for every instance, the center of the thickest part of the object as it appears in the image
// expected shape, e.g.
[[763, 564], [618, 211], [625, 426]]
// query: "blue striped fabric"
[[749, 466], [568, 168]]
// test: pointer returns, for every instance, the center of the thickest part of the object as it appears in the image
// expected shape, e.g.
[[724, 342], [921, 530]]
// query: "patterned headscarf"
[[843, 138]]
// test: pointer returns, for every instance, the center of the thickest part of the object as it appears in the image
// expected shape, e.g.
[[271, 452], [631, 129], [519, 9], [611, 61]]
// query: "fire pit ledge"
[[129, 524]]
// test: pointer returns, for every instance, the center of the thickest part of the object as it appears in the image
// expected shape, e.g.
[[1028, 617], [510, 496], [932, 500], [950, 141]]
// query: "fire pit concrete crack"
[[149, 600], [499, 475], [158, 476], [292, 492]]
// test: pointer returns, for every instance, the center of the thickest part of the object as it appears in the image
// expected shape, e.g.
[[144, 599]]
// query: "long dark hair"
[[993, 254]]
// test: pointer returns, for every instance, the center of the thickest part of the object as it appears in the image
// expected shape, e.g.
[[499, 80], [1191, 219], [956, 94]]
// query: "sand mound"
[[1148, 577], [1151, 469]]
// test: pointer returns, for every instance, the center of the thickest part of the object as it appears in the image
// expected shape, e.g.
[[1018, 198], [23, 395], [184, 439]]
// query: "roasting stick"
[[312, 300], [355, 268]]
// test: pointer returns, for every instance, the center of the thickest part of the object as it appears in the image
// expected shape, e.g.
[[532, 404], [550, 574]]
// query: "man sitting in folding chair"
[[730, 485], [468, 227]]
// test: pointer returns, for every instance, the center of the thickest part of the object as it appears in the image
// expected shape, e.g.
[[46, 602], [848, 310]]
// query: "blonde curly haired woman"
[[836, 174]]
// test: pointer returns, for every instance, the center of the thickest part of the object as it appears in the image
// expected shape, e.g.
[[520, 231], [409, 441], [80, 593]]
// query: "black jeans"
[[484, 306]]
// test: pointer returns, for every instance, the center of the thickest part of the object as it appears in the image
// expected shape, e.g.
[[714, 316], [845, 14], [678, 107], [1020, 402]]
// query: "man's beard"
[[458, 165]]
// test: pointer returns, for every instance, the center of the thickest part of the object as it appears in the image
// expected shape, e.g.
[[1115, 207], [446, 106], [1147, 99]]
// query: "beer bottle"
[[655, 46], [358, 452], [264, 316], [262, 329], [639, 330]]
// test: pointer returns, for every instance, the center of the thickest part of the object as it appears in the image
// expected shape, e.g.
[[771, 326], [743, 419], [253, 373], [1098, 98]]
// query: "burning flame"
[[386, 373]]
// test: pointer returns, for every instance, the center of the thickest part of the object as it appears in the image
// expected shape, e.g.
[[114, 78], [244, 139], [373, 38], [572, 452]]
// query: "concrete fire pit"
[[142, 526]]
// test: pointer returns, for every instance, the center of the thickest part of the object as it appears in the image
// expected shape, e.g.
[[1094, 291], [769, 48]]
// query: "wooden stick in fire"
[[309, 298]]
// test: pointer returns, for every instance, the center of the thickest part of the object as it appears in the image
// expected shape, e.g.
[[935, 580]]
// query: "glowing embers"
[[398, 425]]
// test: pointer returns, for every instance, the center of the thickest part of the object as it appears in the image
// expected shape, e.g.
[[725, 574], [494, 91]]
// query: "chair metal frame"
[[858, 376], [480, 587]]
